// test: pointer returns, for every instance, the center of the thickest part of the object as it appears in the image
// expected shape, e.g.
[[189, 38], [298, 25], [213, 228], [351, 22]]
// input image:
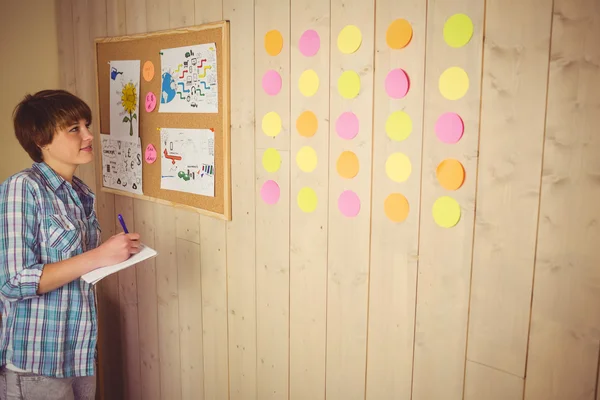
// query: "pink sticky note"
[[397, 83], [150, 154], [150, 101], [271, 82], [270, 192], [349, 203], [449, 127], [309, 43], [346, 125]]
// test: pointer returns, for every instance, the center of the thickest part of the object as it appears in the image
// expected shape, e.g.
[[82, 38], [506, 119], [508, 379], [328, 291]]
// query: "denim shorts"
[[25, 386]]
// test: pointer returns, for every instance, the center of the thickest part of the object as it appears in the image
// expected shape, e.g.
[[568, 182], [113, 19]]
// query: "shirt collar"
[[55, 181]]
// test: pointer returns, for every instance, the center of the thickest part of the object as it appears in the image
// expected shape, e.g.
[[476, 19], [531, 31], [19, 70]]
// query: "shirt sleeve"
[[20, 267]]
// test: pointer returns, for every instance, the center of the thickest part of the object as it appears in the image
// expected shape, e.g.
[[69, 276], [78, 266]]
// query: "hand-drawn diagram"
[[122, 165], [124, 100], [187, 160], [189, 79]]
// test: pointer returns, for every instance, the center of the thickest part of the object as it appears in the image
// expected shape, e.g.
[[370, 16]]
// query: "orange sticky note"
[[273, 42], [399, 34], [148, 71], [396, 207], [307, 124], [451, 174], [347, 165]]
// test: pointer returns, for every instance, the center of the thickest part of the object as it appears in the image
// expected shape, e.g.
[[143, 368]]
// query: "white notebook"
[[97, 274]]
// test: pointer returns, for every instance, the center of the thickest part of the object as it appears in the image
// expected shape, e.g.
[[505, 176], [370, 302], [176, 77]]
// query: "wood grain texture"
[[348, 237], [445, 253], [241, 244], [308, 230], [513, 113], [394, 245], [565, 322], [483, 382]]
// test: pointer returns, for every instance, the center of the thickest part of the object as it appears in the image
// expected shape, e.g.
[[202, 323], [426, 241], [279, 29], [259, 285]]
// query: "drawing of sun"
[[129, 103]]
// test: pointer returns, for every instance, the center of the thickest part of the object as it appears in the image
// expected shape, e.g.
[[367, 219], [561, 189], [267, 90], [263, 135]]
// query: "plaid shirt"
[[44, 219]]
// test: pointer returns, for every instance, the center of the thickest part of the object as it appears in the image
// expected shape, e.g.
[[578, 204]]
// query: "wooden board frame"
[[224, 118]]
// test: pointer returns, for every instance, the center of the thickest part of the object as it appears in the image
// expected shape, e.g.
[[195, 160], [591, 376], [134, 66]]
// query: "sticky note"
[[449, 128], [397, 83], [396, 207], [271, 160], [454, 83], [306, 158], [307, 200], [150, 153], [271, 82], [271, 124], [398, 126], [349, 204], [148, 71], [309, 43], [273, 42], [349, 84], [450, 174], [346, 125], [308, 84], [458, 30], [347, 165], [307, 124], [349, 39], [150, 103], [398, 167], [446, 212], [270, 192], [399, 34]]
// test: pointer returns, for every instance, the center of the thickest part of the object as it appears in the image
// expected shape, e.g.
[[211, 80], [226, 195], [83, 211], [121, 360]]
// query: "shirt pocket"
[[62, 234]]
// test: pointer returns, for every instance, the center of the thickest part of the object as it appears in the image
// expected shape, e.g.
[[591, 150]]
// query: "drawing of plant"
[[129, 103]]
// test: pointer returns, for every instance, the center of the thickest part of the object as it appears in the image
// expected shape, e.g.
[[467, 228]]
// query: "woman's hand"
[[117, 249]]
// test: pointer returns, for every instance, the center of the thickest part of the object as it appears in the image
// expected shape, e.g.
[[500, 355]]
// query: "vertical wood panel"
[[66, 45], [190, 319], [241, 243], [348, 254], [445, 253], [508, 186], [213, 245], [308, 230], [483, 382], [272, 221], [565, 322], [394, 245], [169, 350]]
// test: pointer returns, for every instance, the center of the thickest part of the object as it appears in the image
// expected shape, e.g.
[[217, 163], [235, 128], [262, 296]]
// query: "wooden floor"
[[283, 304]]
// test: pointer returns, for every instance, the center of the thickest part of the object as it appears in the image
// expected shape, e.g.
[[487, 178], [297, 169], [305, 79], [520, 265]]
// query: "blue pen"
[[122, 221]]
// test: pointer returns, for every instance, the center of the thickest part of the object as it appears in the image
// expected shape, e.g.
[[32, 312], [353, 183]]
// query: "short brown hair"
[[37, 118]]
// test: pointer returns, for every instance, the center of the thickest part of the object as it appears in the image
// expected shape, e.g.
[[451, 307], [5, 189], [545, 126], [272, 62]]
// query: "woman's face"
[[71, 146]]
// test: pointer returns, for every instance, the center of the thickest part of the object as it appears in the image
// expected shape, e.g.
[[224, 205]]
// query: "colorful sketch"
[[187, 160], [122, 164], [124, 100], [189, 79]]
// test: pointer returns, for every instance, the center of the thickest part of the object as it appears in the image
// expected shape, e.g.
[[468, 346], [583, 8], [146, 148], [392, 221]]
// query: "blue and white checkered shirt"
[[44, 219]]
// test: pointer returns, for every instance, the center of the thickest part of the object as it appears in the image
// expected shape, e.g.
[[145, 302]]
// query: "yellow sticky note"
[[307, 200], [458, 30], [398, 126], [308, 84], [398, 167], [306, 158], [271, 124], [454, 83], [349, 84], [349, 39], [271, 160], [446, 212]]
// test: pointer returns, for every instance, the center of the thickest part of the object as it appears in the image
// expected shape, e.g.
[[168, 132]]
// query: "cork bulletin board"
[[147, 49]]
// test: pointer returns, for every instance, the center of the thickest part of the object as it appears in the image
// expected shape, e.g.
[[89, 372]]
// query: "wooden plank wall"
[[286, 303]]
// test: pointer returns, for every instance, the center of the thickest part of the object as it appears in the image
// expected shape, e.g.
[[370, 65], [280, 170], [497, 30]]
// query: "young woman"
[[49, 238]]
